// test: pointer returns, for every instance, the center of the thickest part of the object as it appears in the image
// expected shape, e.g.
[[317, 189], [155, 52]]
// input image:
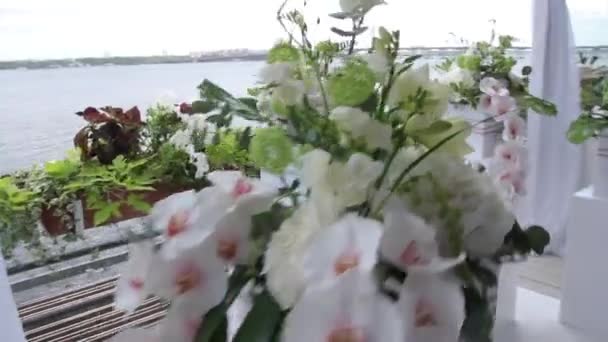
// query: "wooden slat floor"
[[87, 314]]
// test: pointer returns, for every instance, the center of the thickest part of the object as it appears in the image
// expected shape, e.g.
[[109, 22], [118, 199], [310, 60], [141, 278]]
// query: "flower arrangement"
[[356, 219], [485, 67], [594, 102]]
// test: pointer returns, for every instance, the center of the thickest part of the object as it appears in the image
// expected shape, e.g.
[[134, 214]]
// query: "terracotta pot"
[[127, 212], [52, 223]]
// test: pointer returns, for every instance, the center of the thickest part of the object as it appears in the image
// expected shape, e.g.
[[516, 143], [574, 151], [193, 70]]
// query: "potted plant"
[[593, 121], [17, 215], [484, 84]]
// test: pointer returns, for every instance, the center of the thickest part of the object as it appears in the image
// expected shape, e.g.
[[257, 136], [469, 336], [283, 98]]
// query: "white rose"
[[458, 75], [378, 63], [276, 72], [360, 125]]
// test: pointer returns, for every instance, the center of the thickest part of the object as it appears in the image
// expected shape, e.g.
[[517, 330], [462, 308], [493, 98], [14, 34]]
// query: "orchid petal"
[[350, 243], [433, 307], [407, 241], [131, 287], [231, 237], [181, 323], [348, 308], [493, 87], [515, 127], [197, 274]]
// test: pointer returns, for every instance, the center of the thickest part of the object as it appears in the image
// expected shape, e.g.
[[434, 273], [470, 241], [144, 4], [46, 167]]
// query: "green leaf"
[[343, 33], [203, 107], [436, 127], [540, 106], [262, 322], [137, 202], [104, 214], [341, 15], [411, 59], [245, 139], [249, 102], [133, 187], [214, 319], [538, 239]]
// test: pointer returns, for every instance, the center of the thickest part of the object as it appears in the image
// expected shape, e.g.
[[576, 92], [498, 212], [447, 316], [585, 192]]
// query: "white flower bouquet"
[[372, 228]]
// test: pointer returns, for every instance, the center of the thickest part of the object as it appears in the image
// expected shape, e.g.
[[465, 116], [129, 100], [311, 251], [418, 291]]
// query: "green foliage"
[[17, 221], [586, 126], [106, 187], [283, 52], [263, 321], [216, 97], [271, 149], [174, 165], [161, 124], [212, 328], [351, 84], [522, 242], [225, 151]]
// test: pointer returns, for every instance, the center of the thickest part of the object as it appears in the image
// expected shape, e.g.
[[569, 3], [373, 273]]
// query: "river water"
[[37, 120]]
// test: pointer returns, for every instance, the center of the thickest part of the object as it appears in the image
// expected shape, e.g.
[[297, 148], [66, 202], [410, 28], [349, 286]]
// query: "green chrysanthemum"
[[352, 84], [226, 152], [271, 149], [283, 52]]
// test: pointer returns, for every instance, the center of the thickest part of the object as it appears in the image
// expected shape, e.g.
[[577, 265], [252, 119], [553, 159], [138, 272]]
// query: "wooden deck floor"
[[542, 275]]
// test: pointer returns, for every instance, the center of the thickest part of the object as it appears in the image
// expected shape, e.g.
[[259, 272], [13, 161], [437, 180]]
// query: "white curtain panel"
[[555, 164], [10, 324]]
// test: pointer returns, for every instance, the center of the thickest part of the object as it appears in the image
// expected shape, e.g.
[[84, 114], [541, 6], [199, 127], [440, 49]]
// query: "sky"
[[41, 29]]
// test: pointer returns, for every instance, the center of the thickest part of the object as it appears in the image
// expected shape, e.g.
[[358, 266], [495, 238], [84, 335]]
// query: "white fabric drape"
[[555, 164], [10, 325]]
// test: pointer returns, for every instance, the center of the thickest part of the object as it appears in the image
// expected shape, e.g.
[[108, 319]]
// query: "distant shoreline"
[[242, 55]]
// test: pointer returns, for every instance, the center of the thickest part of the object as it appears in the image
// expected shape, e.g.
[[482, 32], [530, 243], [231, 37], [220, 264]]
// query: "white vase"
[[600, 176], [484, 137]]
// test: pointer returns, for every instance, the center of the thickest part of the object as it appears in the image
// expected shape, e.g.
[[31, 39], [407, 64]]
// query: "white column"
[[555, 163], [10, 324]]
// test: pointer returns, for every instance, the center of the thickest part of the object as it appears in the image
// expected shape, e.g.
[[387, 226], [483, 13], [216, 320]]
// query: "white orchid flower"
[[351, 243], [348, 309], [250, 195], [511, 154], [277, 73], [187, 218], [513, 180], [359, 6], [360, 125], [197, 276], [497, 106], [181, 323], [493, 87], [132, 287], [515, 127], [408, 240], [432, 307], [231, 237]]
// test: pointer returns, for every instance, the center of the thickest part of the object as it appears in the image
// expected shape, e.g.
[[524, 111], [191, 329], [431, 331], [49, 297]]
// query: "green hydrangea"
[[469, 62], [271, 149], [327, 48], [352, 84], [283, 52]]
